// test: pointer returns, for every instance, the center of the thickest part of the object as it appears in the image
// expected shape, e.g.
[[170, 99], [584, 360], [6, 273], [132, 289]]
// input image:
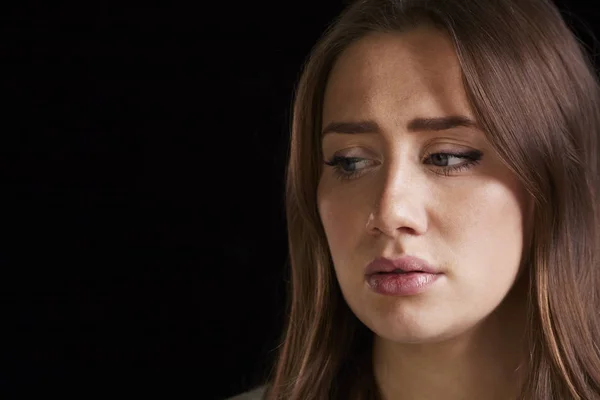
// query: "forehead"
[[411, 72]]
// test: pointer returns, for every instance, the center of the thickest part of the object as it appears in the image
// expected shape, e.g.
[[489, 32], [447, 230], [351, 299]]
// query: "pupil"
[[441, 158], [349, 164]]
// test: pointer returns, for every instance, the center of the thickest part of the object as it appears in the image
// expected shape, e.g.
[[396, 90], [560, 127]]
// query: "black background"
[[142, 164]]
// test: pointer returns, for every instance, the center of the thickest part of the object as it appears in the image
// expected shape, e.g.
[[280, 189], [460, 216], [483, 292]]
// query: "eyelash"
[[472, 158]]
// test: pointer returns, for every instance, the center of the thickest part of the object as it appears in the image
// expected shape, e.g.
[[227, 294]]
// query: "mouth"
[[399, 271], [399, 283]]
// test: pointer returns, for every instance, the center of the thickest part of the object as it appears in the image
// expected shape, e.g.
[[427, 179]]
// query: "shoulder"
[[254, 394]]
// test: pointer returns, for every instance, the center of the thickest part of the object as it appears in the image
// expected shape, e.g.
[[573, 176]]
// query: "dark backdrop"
[[142, 162]]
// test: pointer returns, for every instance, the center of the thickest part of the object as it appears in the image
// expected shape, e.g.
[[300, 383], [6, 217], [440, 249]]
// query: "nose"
[[400, 205]]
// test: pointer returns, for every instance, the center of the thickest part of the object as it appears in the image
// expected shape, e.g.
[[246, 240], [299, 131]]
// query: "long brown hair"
[[534, 91]]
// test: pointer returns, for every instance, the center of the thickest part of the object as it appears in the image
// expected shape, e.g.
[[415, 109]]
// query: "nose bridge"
[[398, 186], [401, 200]]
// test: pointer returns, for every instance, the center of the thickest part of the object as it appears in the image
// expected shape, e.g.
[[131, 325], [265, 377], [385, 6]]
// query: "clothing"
[[254, 394]]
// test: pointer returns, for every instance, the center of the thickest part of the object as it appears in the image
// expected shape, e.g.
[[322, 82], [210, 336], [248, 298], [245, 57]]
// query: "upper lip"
[[404, 263]]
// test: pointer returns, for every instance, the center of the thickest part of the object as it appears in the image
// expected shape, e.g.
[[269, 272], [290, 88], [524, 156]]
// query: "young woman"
[[443, 208]]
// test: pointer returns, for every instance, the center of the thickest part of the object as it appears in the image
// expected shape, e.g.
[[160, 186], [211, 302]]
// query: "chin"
[[414, 334], [411, 323], [409, 332]]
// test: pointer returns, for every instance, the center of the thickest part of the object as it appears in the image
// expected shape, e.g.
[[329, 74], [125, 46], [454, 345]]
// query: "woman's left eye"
[[453, 162], [445, 159]]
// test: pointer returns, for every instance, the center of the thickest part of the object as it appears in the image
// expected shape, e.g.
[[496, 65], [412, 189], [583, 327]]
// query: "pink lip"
[[415, 277], [404, 263]]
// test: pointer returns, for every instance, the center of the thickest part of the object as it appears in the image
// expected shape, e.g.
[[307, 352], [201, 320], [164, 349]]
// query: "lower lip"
[[406, 284]]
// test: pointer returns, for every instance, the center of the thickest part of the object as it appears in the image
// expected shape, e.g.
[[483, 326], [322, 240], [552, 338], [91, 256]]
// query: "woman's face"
[[401, 187]]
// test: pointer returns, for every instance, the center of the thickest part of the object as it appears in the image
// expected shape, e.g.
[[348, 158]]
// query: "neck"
[[483, 363]]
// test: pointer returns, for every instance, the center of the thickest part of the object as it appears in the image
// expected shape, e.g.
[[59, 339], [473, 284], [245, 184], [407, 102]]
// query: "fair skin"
[[462, 337]]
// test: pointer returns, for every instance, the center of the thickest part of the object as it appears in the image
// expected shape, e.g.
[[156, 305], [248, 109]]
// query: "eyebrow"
[[414, 125]]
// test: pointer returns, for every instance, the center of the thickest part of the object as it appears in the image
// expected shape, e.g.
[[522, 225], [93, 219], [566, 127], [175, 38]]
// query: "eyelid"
[[431, 147], [352, 153]]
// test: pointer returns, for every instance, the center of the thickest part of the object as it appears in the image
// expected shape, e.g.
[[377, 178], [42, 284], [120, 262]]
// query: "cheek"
[[339, 221], [344, 220], [487, 234]]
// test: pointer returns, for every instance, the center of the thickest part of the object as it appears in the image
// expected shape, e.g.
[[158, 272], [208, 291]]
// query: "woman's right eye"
[[345, 168]]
